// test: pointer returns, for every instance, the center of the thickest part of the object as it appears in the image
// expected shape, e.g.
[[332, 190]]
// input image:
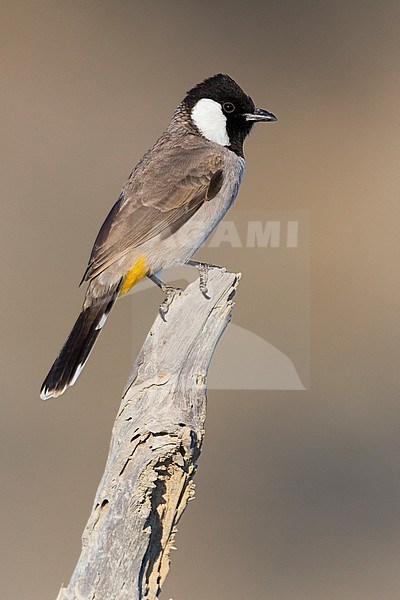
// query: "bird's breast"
[[179, 247]]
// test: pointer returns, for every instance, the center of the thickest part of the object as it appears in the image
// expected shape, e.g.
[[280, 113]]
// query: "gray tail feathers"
[[75, 352]]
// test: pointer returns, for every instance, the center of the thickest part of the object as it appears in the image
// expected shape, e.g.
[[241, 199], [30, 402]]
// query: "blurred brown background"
[[297, 492]]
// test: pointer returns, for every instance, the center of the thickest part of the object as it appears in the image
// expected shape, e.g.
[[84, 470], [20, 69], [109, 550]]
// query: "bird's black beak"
[[260, 115]]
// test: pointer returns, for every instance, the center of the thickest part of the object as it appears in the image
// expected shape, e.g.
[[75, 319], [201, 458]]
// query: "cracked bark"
[[156, 441]]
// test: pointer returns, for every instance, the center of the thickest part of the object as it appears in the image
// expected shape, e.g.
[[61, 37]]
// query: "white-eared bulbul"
[[174, 197]]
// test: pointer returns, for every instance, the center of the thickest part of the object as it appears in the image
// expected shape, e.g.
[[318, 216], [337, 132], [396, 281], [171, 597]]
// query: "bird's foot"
[[203, 280], [203, 269], [170, 294]]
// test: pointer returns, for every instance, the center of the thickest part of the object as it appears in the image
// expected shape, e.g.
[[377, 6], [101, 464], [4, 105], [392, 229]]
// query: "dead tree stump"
[[156, 442]]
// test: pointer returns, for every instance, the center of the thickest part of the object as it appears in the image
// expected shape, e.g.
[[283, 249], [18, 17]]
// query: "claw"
[[203, 275], [203, 269], [170, 294]]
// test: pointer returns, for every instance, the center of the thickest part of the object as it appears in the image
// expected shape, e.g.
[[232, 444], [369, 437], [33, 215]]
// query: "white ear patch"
[[209, 119]]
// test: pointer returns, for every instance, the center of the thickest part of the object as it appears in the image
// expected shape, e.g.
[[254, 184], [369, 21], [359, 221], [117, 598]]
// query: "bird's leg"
[[170, 293], [203, 269]]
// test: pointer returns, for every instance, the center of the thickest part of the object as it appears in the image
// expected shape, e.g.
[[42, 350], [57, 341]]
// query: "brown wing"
[[164, 191]]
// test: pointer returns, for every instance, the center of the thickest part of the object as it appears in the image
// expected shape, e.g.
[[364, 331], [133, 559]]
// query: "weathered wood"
[[156, 441]]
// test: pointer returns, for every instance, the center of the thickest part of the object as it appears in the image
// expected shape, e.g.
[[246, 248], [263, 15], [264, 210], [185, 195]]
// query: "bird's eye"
[[228, 107]]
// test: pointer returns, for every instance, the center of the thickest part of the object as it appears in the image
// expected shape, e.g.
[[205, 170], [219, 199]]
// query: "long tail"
[[75, 352]]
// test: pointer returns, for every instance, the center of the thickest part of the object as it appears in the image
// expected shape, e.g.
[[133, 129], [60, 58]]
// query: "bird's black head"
[[221, 111]]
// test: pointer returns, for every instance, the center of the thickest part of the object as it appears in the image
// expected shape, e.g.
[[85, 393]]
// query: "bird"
[[173, 199]]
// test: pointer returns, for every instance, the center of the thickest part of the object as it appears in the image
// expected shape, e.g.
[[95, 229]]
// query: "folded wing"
[[162, 193]]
